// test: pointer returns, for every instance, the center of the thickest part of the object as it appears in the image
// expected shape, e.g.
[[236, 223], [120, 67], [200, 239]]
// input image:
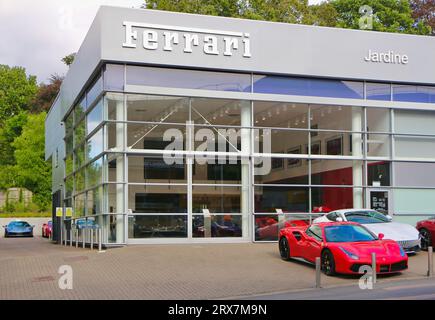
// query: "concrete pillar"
[[357, 169], [245, 136]]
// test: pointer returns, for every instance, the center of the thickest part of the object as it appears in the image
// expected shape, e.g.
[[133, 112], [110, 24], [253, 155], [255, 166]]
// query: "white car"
[[406, 235]]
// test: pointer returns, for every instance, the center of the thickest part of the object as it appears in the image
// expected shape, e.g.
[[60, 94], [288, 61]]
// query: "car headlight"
[[349, 254], [402, 252]]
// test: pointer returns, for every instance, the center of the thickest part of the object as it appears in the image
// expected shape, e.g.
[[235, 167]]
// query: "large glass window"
[[378, 91], [188, 79], [154, 168], [308, 87], [114, 77], [216, 199], [217, 226], [95, 145], [413, 93], [157, 198], [95, 117], [286, 115], [157, 226], [269, 199]]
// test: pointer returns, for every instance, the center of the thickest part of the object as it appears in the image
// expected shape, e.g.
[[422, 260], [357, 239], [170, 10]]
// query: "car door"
[[313, 243]]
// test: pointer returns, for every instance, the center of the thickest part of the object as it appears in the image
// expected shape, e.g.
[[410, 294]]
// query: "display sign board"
[[68, 212], [59, 211], [379, 201]]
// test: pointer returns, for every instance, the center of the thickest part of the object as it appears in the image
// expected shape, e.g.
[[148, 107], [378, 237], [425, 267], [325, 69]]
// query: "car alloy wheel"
[[327, 263], [426, 239], [284, 249]]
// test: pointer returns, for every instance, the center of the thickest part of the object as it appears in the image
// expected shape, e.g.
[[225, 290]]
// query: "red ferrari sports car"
[[427, 233], [343, 247], [47, 229]]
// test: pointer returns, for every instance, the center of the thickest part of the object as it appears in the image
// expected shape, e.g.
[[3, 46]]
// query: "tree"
[[47, 93], [11, 129], [424, 11], [388, 16], [33, 172], [291, 11], [69, 59], [17, 90]]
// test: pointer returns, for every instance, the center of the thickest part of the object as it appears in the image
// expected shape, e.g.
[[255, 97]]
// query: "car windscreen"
[[19, 224], [348, 233], [366, 217]]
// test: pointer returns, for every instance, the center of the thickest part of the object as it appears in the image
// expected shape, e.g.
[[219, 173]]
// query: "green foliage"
[[69, 59], [33, 172], [47, 93], [16, 91], [8, 133], [389, 16]]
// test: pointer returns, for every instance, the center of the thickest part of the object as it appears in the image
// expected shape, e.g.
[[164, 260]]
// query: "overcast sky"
[[38, 34]]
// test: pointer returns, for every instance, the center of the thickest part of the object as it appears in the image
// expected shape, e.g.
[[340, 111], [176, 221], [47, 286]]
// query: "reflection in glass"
[[332, 198], [157, 108], [189, 79], [286, 115], [114, 77], [333, 172], [288, 199], [157, 226], [214, 226], [94, 91], [95, 117], [413, 93], [154, 167], [337, 117], [94, 173], [216, 199], [94, 145], [207, 111], [290, 171], [214, 172], [378, 91], [308, 87], [157, 198], [152, 136]]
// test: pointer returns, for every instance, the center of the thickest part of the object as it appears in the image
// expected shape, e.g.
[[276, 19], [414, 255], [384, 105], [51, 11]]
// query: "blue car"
[[83, 224], [18, 229]]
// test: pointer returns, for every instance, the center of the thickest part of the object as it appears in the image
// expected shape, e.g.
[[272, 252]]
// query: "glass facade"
[[148, 166]]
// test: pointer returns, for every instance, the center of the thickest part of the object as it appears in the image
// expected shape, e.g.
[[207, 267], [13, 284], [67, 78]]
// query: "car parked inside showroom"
[[406, 235], [343, 247], [427, 232], [47, 229], [18, 228]]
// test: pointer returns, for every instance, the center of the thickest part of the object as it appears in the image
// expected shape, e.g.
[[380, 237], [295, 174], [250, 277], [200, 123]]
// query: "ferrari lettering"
[[210, 42]]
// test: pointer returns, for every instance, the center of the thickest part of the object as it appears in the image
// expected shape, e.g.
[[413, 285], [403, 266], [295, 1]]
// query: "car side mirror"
[[390, 218], [339, 219], [33, 226], [381, 236]]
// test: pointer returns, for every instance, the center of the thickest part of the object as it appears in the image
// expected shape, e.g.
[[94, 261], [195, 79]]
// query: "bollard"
[[61, 235], [70, 237], [77, 238], [99, 240], [430, 261], [318, 272], [92, 239], [374, 267], [84, 237]]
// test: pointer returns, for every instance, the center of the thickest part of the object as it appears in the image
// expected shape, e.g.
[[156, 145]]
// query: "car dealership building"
[[180, 128]]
